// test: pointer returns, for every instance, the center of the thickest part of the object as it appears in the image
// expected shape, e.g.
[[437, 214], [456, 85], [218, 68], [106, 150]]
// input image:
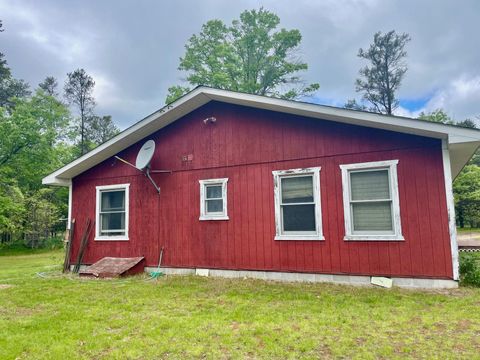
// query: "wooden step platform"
[[115, 267]]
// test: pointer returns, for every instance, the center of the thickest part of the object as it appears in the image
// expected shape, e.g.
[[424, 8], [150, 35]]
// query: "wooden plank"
[[83, 244]]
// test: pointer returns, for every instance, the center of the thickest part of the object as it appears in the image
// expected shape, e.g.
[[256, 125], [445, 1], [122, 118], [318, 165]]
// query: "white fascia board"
[[362, 118], [203, 95]]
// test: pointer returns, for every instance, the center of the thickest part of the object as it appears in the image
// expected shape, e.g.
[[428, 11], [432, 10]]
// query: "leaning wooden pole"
[[83, 245]]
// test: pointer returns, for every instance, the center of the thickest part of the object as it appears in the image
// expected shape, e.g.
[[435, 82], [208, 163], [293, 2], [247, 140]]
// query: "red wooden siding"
[[246, 145]]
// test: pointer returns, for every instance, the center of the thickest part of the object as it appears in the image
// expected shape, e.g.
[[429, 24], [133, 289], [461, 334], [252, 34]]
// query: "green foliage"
[[467, 184], [32, 145], [466, 189], [438, 116], [352, 104], [470, 269], [49, 86], [380, 80], [10, 88], [12, 207], [175, 92], [28, 137], [252, 56], [100, 129], [41, 218], [467, 123]]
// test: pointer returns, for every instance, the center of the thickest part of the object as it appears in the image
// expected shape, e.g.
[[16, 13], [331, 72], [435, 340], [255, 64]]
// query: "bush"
[[470, 269]]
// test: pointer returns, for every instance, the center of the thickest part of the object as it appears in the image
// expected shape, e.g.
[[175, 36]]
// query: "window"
[[112, 212], [370, 201], [213, 199], [297, 204]]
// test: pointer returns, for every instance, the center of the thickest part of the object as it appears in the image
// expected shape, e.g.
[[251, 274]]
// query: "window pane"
[[214, 191], [370, 185], [214, 206], [375, 216], [113, 221], [113, 200], [299, 217], [297, 189]]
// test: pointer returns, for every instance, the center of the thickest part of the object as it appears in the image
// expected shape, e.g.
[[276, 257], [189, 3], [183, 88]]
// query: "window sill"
[[300, 237], [223, 217], [373, 238], [110, 238]]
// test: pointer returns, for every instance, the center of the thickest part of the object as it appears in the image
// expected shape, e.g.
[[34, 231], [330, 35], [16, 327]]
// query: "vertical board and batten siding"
[[245, 145]]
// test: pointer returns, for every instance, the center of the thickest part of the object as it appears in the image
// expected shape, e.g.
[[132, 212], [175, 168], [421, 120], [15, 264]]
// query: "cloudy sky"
[[131, 48]]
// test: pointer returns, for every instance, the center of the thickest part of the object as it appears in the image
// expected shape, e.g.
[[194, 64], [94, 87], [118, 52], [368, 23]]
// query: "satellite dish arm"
[[147, 174], [126, 162]]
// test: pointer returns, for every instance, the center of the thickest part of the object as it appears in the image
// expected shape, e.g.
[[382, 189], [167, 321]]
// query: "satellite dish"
[[145, 155], [142, 163]]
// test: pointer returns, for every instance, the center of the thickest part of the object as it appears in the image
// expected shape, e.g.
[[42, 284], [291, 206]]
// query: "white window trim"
[[99, 189], [391, 165], [279, 233], [203, 211]]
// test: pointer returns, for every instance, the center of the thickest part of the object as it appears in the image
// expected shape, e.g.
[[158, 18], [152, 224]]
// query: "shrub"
[[470, 269]]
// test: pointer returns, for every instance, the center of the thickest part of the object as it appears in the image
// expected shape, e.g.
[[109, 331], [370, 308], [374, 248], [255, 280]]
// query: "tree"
[[49, 86], [352, 104], [251, 55], [438, 116], [467, 196], [12, 208], [41, 218], [13, 88], [31, 146], [29, 138], [79, 92], [467, 123], [380, 80], [101, 129]]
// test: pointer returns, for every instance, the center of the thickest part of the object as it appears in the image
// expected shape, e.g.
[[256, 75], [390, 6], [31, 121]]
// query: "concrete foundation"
[[414, 283]]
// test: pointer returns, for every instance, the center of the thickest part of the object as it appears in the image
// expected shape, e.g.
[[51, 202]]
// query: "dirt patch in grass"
[[5, 286]]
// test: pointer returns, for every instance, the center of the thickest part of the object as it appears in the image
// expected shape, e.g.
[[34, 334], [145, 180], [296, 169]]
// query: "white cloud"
[[67, 44], [460, 98], [401, 111]]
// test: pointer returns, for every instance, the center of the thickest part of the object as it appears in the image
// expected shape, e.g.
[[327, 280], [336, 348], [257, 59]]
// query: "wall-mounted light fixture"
[[210, 120]]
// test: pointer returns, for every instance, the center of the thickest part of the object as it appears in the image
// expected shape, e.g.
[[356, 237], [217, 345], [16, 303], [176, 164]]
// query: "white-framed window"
[[112, 208], [213, 199], [298, 214], [370, 201]]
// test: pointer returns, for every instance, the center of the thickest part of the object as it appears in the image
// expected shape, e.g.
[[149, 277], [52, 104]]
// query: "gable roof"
[[462, 142]]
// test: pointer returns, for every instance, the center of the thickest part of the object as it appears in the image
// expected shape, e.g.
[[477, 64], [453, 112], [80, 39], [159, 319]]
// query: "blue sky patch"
[[414, 104]]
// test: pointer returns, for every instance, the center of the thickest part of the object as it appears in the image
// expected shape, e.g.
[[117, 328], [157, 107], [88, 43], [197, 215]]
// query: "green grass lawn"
[[469, 230], [64, 317]]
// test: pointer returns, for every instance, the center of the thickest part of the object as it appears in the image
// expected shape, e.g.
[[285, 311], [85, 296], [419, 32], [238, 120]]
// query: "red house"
[[275, 189]]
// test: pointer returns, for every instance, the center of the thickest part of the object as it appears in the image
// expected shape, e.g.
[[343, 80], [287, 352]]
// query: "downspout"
[[452, 226]]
